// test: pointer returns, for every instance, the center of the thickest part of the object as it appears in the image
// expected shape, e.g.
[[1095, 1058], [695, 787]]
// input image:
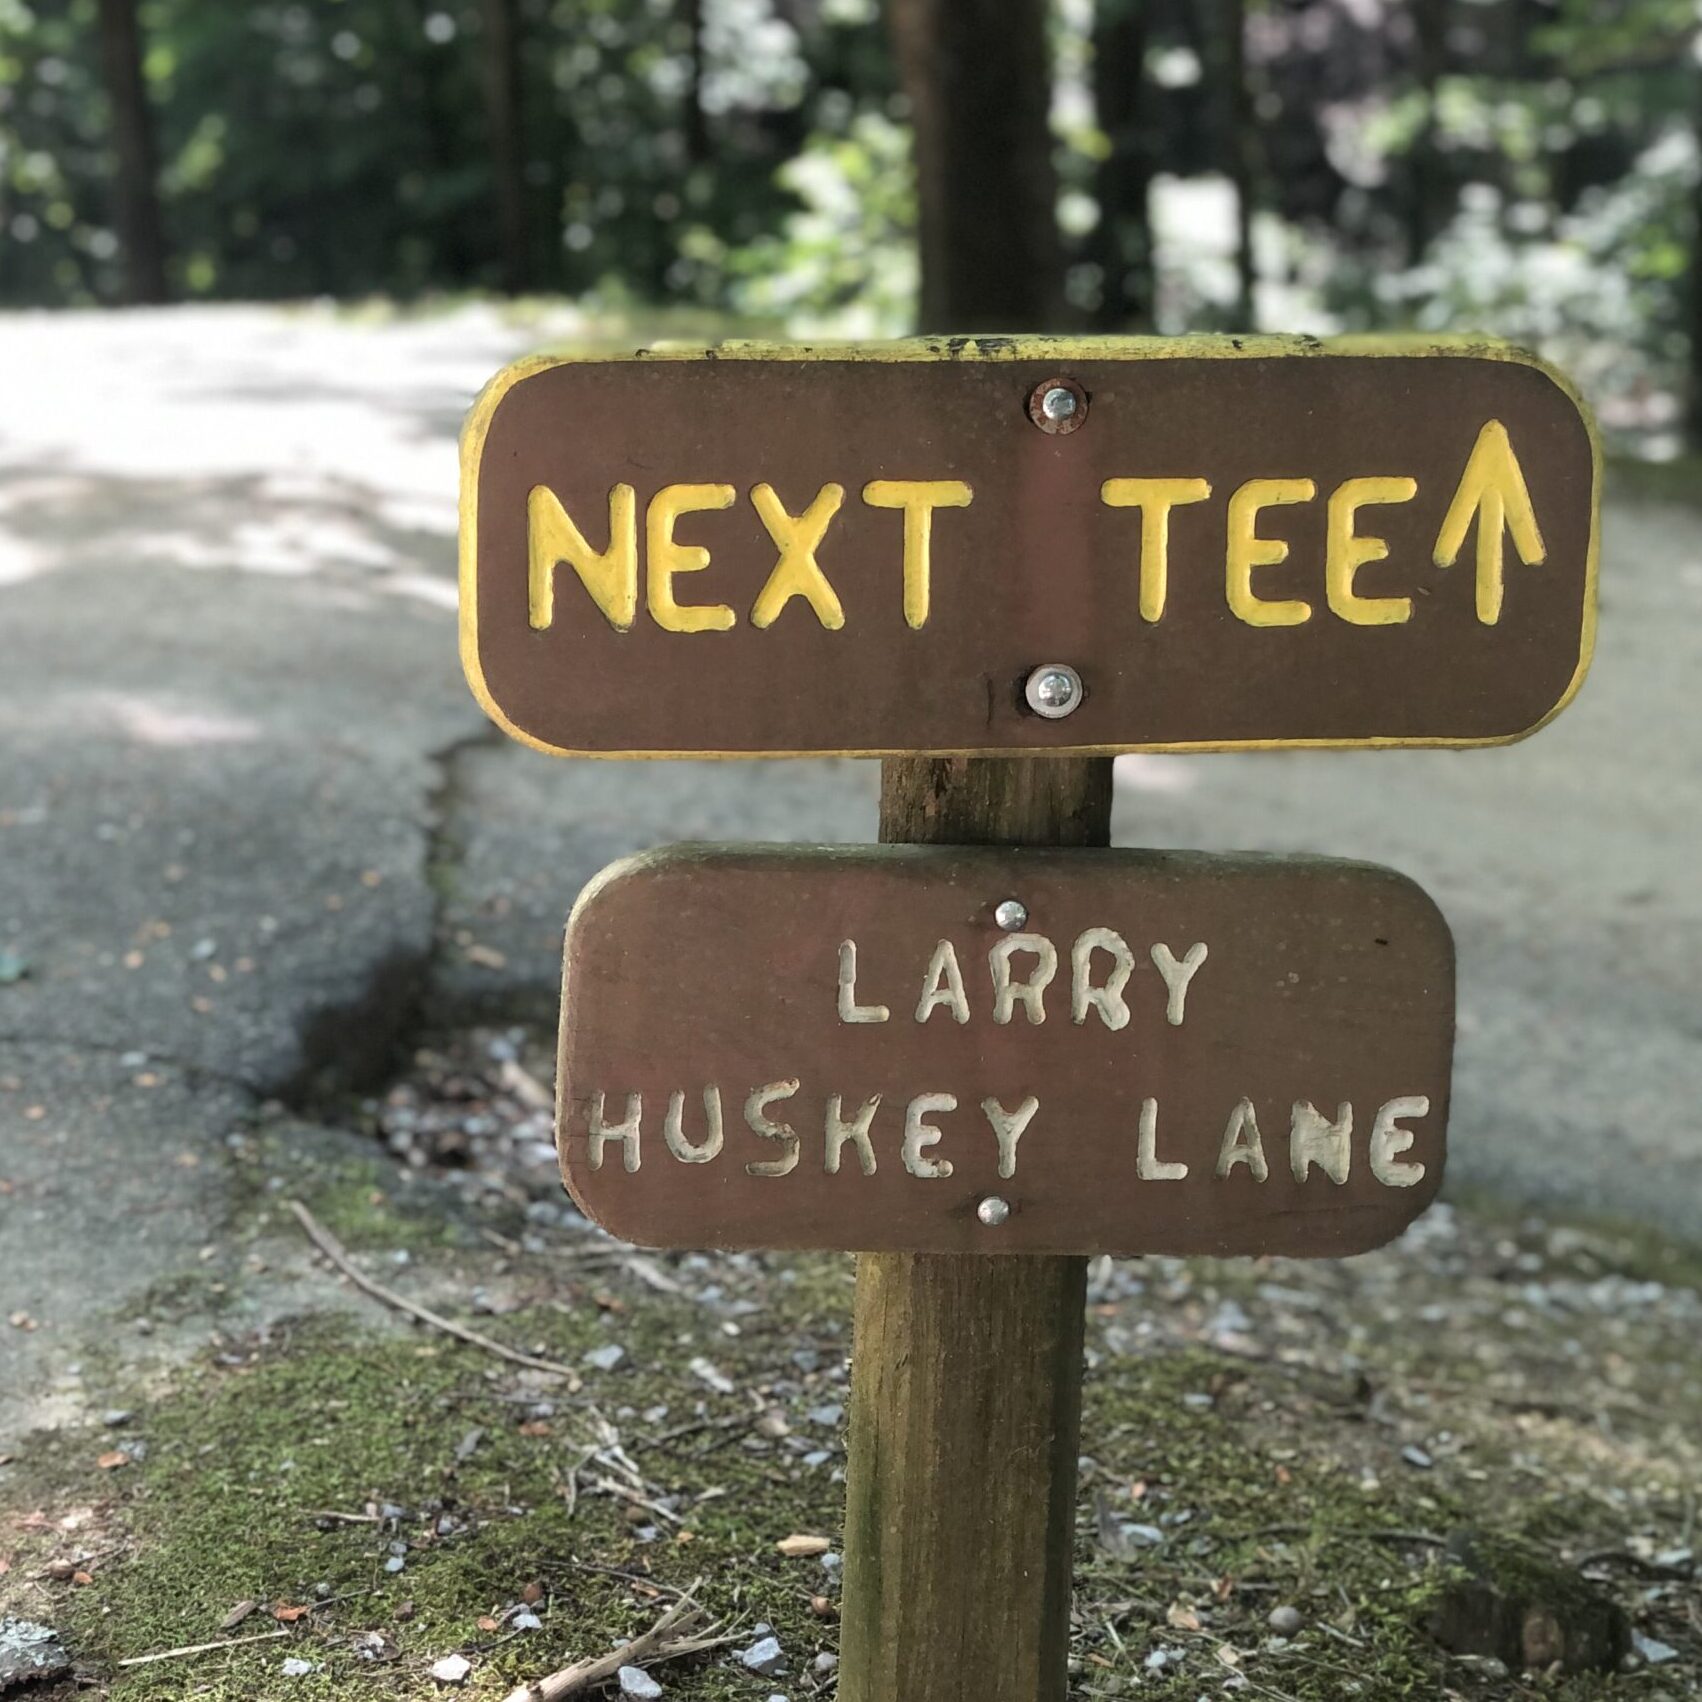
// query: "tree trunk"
[[505, 107], [967, 1368], [696, 119], [1430, 26], [1695, 303], [135, 181], [1123, 239], [1241, 153], [977, 73]]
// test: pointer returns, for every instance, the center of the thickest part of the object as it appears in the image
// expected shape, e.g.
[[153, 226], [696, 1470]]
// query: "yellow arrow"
[[1492, 490]]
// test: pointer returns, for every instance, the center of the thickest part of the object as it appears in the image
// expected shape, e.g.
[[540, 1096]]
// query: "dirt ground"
[[350, 1498], [280, 923]]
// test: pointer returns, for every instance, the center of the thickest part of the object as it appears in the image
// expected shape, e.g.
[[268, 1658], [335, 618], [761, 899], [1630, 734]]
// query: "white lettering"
[[755, 1106], [673, 1129], [1107, 1000], [1007, 1129], [1241, 1143], [1389, 1139], [849, 1009], [1031, 993], [943, 985], [1314, 1139], [1148, 1165], [625, 1131], [1177, 976], [856, 1131], [919, 1133]]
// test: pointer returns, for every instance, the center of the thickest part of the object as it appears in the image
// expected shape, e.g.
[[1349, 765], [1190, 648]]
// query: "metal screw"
[[993, 1211], [1011, 914], [1058, 403], [1053, 690]]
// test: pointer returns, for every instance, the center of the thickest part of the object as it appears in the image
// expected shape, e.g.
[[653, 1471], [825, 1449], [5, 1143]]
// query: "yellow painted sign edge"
[[997, 348]]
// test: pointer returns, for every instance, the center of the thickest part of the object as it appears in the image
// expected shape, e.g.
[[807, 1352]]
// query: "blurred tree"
[[1641, 61], [1693, 415], [696, 119], [505, 104], [135, 188], [977, 73], [1241, 152], [1122, 238], [1430, 39], [1528, 167]]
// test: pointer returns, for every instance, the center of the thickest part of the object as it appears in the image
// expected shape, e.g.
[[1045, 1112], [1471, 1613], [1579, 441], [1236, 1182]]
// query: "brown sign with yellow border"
[[930, 1048], [1232, 543]]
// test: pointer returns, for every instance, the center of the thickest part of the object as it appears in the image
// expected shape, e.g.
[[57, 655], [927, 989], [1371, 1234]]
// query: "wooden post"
[[967, 1369]]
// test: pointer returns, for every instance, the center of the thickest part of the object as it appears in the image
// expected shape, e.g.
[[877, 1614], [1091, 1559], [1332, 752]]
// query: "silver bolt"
[[1059, 404], [1011, 914], [993, 1211], [1053, 690]]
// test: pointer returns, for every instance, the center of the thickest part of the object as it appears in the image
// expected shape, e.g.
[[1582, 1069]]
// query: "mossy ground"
[[1255, 1434], [326, 1421]]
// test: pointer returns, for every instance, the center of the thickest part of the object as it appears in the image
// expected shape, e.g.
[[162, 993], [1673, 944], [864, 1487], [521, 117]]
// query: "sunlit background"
[[1529, 166]]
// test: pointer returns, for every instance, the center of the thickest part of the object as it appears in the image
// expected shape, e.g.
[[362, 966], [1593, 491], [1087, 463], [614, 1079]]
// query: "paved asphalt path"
[[252, 825]]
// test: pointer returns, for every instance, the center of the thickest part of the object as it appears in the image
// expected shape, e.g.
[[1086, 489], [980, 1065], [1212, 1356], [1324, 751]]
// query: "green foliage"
[[54, 244], [341, 147], [844, 263]]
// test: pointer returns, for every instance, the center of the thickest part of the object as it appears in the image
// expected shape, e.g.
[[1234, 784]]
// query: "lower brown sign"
[[954, 1050]]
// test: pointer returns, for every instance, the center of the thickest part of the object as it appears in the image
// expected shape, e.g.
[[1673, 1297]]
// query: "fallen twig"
[[202, 1648], [739, 1421], [672, 1636], [1636, 1563], [652, 1584], [608, 1486], [328, 1244], [1419, 1539]]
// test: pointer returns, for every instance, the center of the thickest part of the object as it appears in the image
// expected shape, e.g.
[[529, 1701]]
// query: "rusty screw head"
[[1058, 406]]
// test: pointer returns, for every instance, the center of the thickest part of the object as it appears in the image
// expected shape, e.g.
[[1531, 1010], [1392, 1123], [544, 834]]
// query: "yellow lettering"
[[1154, 498], [1248, 550], [664, 557], [1346, 551], [918, 498], [1493, 491], [797, 573], [611, 577]]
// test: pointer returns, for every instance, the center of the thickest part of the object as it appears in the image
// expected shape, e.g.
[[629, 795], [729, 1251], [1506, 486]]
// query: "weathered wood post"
[[967, 1369]]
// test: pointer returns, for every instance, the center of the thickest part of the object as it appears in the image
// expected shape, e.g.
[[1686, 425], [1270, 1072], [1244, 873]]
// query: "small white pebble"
[[764, 1656], [452, 1669], [1653, 1650]]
